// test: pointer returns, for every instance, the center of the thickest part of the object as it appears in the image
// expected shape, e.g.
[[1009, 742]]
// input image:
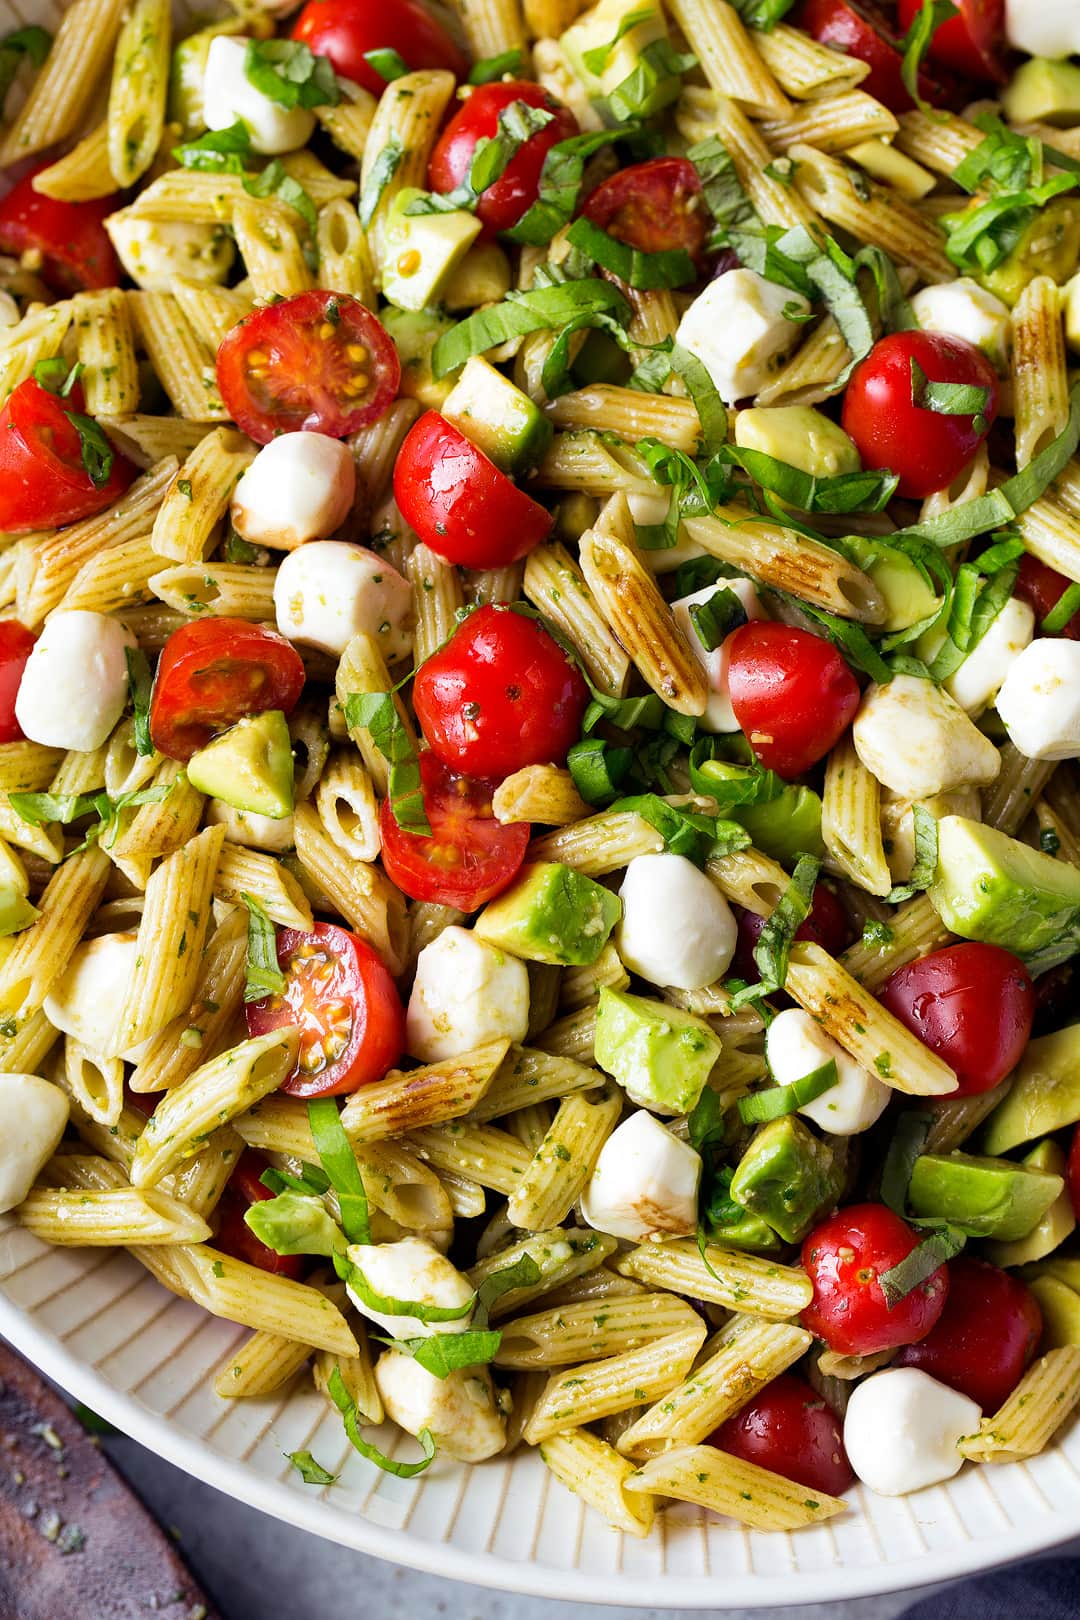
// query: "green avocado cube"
[[730, 1226], [420, 250], [1042, 91], [415, 333], [660, 1055], [788, 1176], [16, 912], [988, 1198], [250, 766], [609, 51], [1060, 1307], [293, 1223], [1050, 246], [1044, 1095], [1056, 1225], [552, 914], [498, 418], [785, 827], [995, 889]]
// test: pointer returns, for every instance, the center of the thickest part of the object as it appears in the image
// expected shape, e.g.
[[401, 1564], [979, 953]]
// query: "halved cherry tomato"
[[43, 483], [926, 448], [212, 672], [500, 695], [515, 191], [791, 692], [844, 1258], [458, 501], [1042, 587], [866, 31], [235, 1236], [790, 1430], [985, 1337], [16, 645], [344, 30], [318, 361], [972, 1004], [826, 925], [77, 254], [339, 992], [972, 44], [655, 206], [469, 858]]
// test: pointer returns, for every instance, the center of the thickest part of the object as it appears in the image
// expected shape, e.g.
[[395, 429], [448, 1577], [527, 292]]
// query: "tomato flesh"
[[656, 207], [77, 255], [235, 1236], [844, 1258], [826, 926], [985, 1337], [16, 645], [790, 1430], [502, 204], [469, 858], [214, 671], [1042, 587], [791, 692], [972, 44], [972, 1004], [43, 483], [344, 30], [867, 31]]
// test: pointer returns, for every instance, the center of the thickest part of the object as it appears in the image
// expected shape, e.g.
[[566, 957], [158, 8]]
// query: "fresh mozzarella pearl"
[[155, 251], [414, 1270], [719, 715], [33, 1114], [649, 509], [918, 741], [228, 95], [672, 557], [299, 487], [645, 1184], [460, 1411], [1040, 699], [250, 829], [795, 1046], [1043, 27], [977, 680], [737, 328], [465, 993], [329, 591], [86, 999], [677, 929], [902, 1429], [963, 309], [75, 683]]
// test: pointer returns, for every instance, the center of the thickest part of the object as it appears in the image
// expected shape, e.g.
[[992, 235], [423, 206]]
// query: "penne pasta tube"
[[1041, 1402], [851, 820], [258, 1299], [804, 68], [110, 1219], [1040, 381], [539, 793], [596, 1389], [198, 497], [430, 1095], [528, 1076], [728, 1485], [564, 1160], [728, 57], [265, 1362], [248, 871], [591, 1329], [594, 1471], [63, 90], [789, 561], [140, 81], [556, 585], [741, 1282]]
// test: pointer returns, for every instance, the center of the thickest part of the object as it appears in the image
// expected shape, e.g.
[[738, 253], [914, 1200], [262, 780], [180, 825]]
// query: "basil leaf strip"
[[541, 309], [687, 832], [39, 808], [917, 42], [624, 713], [274, 181], [444, 1353], [378, 713], [762, 14], [597, 768], [1066, 605], [714, 620], [139, 688], [648, 271], [596, 59], [97, 452], [926, 855], [776, 1101], [774, 943], [289, 73], [382, 172], [345, 1404], [908, 1142], [919, 1266], [521, 1273], [949, 399], [310, 1471], [705, 1123], [387, 1306], [262, 975], [339, 1162], [560, 183], [31, 42], [388, 64], [219, 151], [517, 124], [57, 376], [491, 68]]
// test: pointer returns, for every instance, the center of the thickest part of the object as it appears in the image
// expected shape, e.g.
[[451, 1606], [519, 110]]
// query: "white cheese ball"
[[1043, 27], [719, 715], [154, 252], [902, 1428], [963, 309], [739, 331], [676, 929], [977, 680], [918, 741], [460, 1411], [1039, 699], [328, 591], [795, 1046], [299, 487], [75, 683], [33, 1114], [466, 992], [247, 827], [86, 999], [411, 1270], [229, 95], [645, 1184]]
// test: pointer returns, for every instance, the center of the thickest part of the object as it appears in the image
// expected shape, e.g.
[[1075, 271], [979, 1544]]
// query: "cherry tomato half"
[[844, 1257], [515, 191], [926, 448], [655, 206], [790, 1430], [458, 501], [985, 1336], [212, 672], [339, 992], [866, 31], [972, 44], [791, 692], [500, 695], [43, 482], [318, 361], [826, 925], [344, 30], [972, 1004], [1042, 587], [77, 254], [235, 1236], [469, 858], [16, 645]]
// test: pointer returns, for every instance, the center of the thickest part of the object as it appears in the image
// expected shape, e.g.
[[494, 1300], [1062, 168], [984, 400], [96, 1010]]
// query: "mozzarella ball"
[[902, 1428], [250, 829], [466, 992], [918, 741], [299, 487], [229, 95], [677, 929], [740, 332], [329, 591], [460, 1411], [75, 683], [33, 1114], [976, 681], [155, 251], [963, 309], [719, 715], [1039, 699], [795, 1046], [1043, 27], [86, 999], [645, 1184], [414, 1270]]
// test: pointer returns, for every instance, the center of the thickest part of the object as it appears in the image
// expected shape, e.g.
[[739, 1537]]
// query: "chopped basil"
[[980, 590], [274, 181], [521, 313], [849, 636], [596, 60], [649, 271], [762, 14], [624, 713], [33, 43], [869, 491], [491, 68], [876, 935], [670, 357], [444, 1353], [695, 491], [705, 1123], [238, 550], [684, 831], [949, 399], [908, 1141], [382, 172], [36, 809], [774, 943], [57, 376], [262, 975], [722, 188], [388, 1306], [715, 619], [521, 1273], [1011, 167], [1062, 611], [310, 1471], [919, 1266], [345, 1404], [219, 151], [378, 713], [139, 684], [697, 573], [727, 782], [518, 123], [97, 452], [310, 1180], [286, 71], [339, 1163], [926, 854], [776, 1101], [598, 767], [917, 42], [560, 183], [387, 63], [634, 97]]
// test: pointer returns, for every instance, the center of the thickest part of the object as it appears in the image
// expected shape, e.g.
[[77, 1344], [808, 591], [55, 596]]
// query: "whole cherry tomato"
[[972, 1004], [826, 925], [16, 645], [844, 1258], [500, 695], [469, 858], [1072, 1173], [235, 1236], [972, 44], [77, 254], [791, 692], [866, 30], [655, 206], [928, 449], [790, 1430], [45, 482], [984, 1338], [212, 672], [346, 30], [1042, 587], [514, 192]]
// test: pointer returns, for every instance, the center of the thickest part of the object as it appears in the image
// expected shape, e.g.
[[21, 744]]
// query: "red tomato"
[[926, 448], [972, 44], [469, 858], [1042, 587], [339, 992], [43, 483], [865, 30], [235, 1236], [77, 254], [791, 693], [500, 695], [458, 501], [985, 1336], [790, 1430], [344, 30], [317, 361], [1072, 1172], [971, 1004], [515, 191], [844, 1258], [827, 926], [16, 642], [655, 206], [212, 672]]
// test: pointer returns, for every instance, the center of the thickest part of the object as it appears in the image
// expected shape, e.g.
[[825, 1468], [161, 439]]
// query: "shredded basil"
[[382, 172], [637, 96], [560, 183], [722, 188], [598, 767], [776, 1101], [876, 935], [596, 60], [624, 713], [705, 1123], [388, 1306], [311, 1180], [262, 975], [57, 376], [919, 1266], [96, 451], [684, 831], [774, 944], [33, 43], [491, 68], [310, 1471], [672, 268], [715, 619], [286, 71], [1066, 605], [345, 1404], [378, 713], [517, 124], [37, 809], [521, 1273], [219, 151], [444, 1353], [908, 1142], [1011, 167], [917, 43], [762, 14], [980, 591], [670, 358], [139, 685], [926, 854], [869, 491], [339, 1163], [949, 399], [387, 63], [274, 181], [521, 313]]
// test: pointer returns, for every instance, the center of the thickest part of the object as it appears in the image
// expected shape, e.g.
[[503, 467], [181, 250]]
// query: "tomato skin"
[[985, 1337], [790, 1430], [43, 483], [459, 502], [470, 856], [844, 1258], [515, 191], [1042, 587], [654, 206], [925, 448], [16, 645], [791, 692], [214, 671], [972, 1004], [826, 925], [77, 253], [972, 44], [235, 1236], [286, 367], [344, 30], [500, 695], [864, 30]]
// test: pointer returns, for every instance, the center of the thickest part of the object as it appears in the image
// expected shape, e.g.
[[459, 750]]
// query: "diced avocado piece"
[[660, 1055], [1044, 1095], [908, 595], [415, 333], [1054, 1227], [422, 249], [188, 70], [1042, 91], [482, 276], [894, 169], [785, 827], [995, 889], [498, 418], [1050, 246], [992, 1198], [730, 1226], [1060, 1307], [1065, 1269], [601, 30], [16, 912], [250, 766], [799, 435], [553, 914], [788, 1176], [292, 1223]]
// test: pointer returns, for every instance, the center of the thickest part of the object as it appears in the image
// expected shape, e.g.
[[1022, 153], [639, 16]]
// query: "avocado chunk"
[[415, 333], [994, 888], [553, 914], [250, 766], [730, 1226], [788, 1177], [1064, 1269], [619, 66], [1044, 1095], [785, 827], [1054, 1227], [660, 1055], [16, 912], [422, 249], [1042, 91], [1050, 246], [1060, 1307], [907, 593], [992, 1198], [799, 436], [498, 418], [292, 1223]]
